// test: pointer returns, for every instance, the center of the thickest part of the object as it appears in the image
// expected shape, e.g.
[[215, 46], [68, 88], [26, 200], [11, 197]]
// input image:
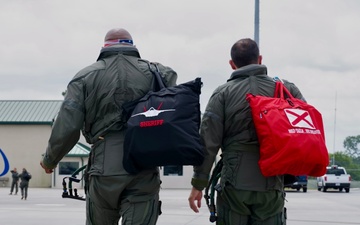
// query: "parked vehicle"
[[301, 183], [335, 178]]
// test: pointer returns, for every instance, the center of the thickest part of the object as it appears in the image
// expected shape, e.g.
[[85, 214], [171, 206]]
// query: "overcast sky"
[[312, 43]]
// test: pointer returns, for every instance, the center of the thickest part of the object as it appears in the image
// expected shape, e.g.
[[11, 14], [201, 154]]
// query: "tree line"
[[350, 158]]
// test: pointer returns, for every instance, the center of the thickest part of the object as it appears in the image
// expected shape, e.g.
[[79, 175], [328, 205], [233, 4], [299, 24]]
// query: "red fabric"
[[290, 133]]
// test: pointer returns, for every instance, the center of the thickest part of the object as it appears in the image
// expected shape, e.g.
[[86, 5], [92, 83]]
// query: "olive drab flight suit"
[[93, 103], [25, 177], [246, 196], [14, 182]]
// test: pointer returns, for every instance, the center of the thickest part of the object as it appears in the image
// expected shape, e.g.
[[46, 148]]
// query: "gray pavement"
[[46, 206]]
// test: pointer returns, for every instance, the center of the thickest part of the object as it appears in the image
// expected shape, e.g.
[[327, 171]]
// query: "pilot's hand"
[[195, 199], [47, 170]]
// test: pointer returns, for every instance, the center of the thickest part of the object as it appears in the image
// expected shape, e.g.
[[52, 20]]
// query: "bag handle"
[[158, 82], [281, 91]]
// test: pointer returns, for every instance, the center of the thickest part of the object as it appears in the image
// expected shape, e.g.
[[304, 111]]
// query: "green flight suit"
[[93, 104], [246, 196]]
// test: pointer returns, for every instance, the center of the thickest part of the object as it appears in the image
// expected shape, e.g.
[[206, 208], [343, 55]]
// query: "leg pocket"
[[230, 169], [226, 216], [97, 155], [140, 213]]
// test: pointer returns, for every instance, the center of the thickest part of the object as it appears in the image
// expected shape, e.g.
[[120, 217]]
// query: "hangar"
[[25, 127]]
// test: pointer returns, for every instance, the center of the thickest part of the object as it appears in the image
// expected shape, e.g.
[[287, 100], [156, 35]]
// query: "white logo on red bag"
[[299, 118], [152, 111]]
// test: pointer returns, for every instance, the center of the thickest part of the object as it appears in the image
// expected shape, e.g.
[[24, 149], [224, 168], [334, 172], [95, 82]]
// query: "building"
[[25, 127]]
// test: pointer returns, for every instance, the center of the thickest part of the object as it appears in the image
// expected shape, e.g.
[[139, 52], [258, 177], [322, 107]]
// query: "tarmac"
[[46, 206]]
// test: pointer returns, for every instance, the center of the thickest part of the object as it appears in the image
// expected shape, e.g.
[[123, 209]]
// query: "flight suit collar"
[[249, 70], [125, 50]]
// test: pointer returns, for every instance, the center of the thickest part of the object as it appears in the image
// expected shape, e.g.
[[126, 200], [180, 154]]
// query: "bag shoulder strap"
[[158, 83], [254, 86], [277, 79]]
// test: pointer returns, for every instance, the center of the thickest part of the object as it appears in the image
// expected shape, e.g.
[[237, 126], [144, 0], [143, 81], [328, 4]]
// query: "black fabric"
[[289, 179], [163, 127]]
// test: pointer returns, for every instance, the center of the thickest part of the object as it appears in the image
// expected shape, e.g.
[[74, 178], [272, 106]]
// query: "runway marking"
[[51, 204], [322, 221]]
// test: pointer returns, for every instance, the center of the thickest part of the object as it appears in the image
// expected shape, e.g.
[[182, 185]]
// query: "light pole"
[[257, 22], [333, 158]]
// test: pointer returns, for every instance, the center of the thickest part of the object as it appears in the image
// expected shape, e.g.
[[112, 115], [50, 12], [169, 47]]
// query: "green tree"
[[350, 164], [341, 159], [351, 145]]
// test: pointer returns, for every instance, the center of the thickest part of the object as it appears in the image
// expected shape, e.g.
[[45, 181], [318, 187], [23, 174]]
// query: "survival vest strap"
[[213, 185]]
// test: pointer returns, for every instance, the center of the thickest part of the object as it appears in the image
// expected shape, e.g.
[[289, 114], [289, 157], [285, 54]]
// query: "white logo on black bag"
[[152, 112]]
